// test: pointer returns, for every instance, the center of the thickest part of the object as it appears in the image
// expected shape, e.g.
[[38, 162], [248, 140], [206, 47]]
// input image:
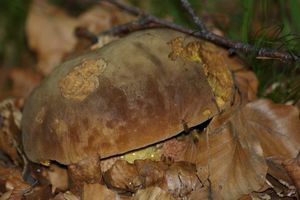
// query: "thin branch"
[[188, 7], [129, 9], [83, 32], [142, 23], [202, 34]]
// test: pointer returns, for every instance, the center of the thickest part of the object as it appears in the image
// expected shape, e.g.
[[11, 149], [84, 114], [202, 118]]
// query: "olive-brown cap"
[[131, 93]]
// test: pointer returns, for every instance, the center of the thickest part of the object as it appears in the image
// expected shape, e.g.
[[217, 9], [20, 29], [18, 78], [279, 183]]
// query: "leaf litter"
[[250, 151]]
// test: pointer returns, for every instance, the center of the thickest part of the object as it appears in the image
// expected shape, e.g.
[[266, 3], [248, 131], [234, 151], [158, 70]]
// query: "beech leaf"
[[292, 166], [277, 127], [152, 193], [97, 192], [230, 156]]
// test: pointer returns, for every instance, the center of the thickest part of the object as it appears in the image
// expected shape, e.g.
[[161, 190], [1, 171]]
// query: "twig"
[[202, 34], [188, 7], [142, 23], [82, 32]]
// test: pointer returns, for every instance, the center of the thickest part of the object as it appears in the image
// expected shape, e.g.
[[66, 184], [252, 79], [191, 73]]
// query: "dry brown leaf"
[[247, 83], [4, 83], [57, 39], [11, 180], [17, 82], [97, 192], [292, 167], [181, 179], [12, 195], [59, 196], [245, 80], [107, 163], [233, 147], [10, 134], [58, 178], [152, 193], [278, 178], [150, 172], [200, 194], [277, 127], [39, 192], [230, 156], [271, 194], [6, 195], [87, 170], [66, 196], [123, 177], [276, 170], [102, 17], [69, 196], [23, 81], [173, 149], [50, 33]]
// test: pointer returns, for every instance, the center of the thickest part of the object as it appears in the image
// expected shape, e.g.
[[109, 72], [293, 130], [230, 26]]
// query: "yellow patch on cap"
[[189, 52], [82, 80], [217, 72]]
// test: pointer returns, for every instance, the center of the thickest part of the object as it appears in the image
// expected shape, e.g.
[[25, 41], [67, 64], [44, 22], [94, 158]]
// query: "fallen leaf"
[[69, 196], [66, 196], [244, 79], [102, 17], [231, 151], [97, 192], [230, 156], [6, 195], [200, 194], [280, 188], [57, 38], [173, 149], [292, 167], [181, 179], [276, 170], [58, 177], [59, 196], [151, 172], [10, 134], [107, 163], [271, 194], [23, 81], [5, 86], [277, 127], [87, 170], [39, 192], [123, 177], [12, 183], [152, 193], [12, 195], [17, 82], [50, 34]]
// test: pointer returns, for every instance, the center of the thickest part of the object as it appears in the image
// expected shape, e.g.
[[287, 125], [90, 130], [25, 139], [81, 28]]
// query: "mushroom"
[[133, 92]]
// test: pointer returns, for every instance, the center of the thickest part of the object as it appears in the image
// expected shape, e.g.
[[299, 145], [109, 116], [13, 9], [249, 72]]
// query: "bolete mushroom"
[[131, 93]]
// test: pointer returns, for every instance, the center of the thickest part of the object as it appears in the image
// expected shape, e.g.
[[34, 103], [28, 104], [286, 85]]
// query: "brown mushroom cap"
[[131, 93]]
